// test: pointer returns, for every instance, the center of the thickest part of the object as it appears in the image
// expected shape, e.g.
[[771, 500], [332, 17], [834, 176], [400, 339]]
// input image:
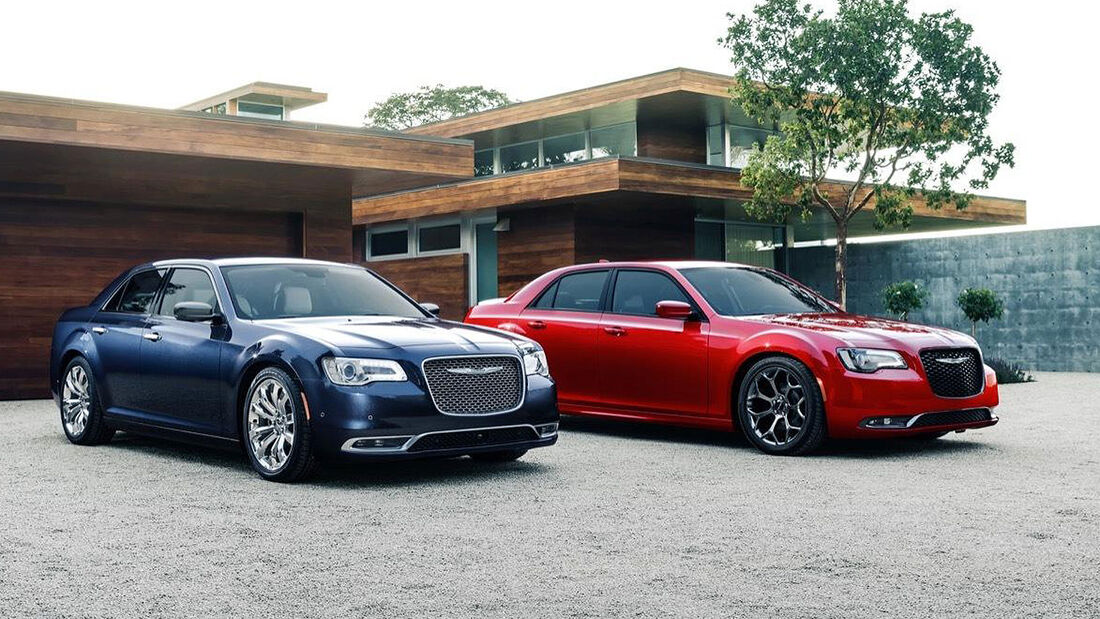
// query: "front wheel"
[[779, 407], [276, 432]]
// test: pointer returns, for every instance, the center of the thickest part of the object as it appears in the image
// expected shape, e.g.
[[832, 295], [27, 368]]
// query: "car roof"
[[242, 261], [669, 264]]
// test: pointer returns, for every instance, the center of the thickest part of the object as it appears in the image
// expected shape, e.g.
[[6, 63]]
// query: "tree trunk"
[[974, 329], [842, 264]]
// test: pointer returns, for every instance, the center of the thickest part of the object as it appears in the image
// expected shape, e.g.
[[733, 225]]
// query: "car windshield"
[[740, 291], [308, 290]]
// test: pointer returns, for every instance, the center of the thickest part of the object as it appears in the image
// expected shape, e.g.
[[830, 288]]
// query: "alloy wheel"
[[776, 404], [76, 401], [271, 426]]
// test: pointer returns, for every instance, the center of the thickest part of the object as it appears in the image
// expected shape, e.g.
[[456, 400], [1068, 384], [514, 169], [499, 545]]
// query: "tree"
[[900, 298], [899, 105], [431, 104], [980, 304]]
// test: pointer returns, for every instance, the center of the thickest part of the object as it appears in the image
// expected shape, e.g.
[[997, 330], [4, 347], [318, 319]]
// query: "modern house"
[[454, 212], [643, 168]]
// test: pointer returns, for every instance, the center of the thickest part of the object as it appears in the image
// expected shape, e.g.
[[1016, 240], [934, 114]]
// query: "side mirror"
[[674, 309], [431, 308], [195, 311]]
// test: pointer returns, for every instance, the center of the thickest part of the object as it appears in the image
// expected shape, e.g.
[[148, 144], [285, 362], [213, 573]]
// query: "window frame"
[[600, 305], [382, 229], [159, 302], [608, 309], [417, 226]]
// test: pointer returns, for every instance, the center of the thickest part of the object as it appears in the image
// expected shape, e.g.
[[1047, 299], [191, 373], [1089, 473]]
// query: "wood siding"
[[56, 255], [539, 240], [441, 280], [635, 227], [662, 140]]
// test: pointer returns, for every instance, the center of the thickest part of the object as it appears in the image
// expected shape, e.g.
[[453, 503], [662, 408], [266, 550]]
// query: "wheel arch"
[[766, 345]]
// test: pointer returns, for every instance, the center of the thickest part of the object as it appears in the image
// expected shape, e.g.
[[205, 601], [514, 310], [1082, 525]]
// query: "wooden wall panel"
[[676, 142], [433, 279], [55, 255], [635, 227], [538, 241]]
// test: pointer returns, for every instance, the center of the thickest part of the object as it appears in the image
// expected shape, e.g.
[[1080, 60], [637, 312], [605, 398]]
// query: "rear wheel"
[[779, 407], [506, 455], [276, 432], [81, 413]]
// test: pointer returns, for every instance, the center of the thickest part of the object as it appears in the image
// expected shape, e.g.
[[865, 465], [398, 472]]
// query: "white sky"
[[169, 54]]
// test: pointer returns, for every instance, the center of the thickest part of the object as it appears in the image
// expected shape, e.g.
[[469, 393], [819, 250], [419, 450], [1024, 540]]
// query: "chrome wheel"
[[776, 404], [271, 425], [76, 401]]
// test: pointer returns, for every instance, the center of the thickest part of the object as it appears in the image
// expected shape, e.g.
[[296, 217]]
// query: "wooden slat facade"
[[432, 279]]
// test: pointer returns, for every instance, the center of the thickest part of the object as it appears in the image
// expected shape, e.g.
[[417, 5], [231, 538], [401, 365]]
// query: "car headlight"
[[868, 360], [352, 372], [534, 358]]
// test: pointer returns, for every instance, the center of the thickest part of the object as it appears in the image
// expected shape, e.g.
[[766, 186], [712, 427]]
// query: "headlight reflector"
[[534, 358], [870, 360], [352, 372]]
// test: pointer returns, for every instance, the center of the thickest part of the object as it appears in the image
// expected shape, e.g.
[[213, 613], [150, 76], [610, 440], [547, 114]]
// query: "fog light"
[[548, 429], [886, 423], [387, 442]]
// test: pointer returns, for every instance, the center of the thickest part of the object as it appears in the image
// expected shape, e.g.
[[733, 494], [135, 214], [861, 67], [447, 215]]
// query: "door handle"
[[99, 330], [152, 337], [615, 331], [536, 324]]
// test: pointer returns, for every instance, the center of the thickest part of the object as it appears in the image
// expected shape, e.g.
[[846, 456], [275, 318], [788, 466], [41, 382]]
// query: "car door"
[[650, 364], [181, 360], [116, 330], [565, 319]]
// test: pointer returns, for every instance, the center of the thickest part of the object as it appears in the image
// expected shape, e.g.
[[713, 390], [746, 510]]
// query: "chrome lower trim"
[[347, 446]]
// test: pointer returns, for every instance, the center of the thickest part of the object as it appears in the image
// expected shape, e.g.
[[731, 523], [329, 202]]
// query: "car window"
[[137, 295], [576, 291], [187, 285], [638, 292], [740, 291]]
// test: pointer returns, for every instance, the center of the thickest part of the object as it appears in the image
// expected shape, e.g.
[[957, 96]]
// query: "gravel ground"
[[616, 520]]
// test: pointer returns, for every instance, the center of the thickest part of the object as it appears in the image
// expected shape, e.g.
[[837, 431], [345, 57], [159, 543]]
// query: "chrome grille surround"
[[953, 372], [475, 384]]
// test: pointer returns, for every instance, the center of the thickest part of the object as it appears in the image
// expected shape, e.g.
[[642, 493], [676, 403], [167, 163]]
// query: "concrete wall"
[[1049, 280]]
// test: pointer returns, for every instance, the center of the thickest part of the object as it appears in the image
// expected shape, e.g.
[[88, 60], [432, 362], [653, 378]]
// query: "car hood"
[[870, 332], [379, 332]]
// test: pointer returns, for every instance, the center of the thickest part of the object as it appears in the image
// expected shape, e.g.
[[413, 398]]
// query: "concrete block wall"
[[1049, 280]]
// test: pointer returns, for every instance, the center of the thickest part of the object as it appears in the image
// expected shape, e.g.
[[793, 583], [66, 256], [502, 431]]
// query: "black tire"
[[812, 432], [94, 430], [504, 455], [299, 462]]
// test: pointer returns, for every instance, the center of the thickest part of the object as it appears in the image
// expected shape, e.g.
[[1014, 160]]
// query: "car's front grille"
[[475, 385], [950, 418], [953, 372], [474, 438]]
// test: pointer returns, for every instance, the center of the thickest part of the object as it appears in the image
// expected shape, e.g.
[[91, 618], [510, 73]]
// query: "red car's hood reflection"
[[856, 330]]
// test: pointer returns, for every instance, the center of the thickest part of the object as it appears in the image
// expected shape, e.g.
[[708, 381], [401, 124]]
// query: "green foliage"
[[900, 104], [980, 304], [1008, 373], [900, 298], [431, 104]]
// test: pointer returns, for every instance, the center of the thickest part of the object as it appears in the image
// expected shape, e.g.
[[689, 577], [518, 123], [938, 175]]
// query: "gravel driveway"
[[616, 520]]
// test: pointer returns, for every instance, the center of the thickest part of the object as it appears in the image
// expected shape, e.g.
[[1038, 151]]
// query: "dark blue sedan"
[[298, 361]]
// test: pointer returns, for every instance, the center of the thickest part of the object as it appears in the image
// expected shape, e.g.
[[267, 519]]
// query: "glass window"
[[395, 243], [519, 157], [267, 291], [187, 285], [578, 291], [251, 109], [440, 238], [716, 147], [710, 240], [638, 292], [138, 294], [738, 291], [546, 300], [742, 141], [563, 149], [617, 140], [483, 162]]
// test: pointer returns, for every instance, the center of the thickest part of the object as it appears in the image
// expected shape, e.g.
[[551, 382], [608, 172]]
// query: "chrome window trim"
[[522, 373], [347, 446]]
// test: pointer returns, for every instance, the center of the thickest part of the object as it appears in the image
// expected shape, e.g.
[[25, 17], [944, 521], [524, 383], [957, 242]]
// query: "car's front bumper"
[[385, 421], [853, 400]]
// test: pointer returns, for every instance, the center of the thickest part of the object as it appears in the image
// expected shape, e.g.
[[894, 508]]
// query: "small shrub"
[[900, 298], [980, 304], [1008, 373]]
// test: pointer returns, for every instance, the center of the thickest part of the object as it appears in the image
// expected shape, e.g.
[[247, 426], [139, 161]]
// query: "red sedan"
[[720, 345]]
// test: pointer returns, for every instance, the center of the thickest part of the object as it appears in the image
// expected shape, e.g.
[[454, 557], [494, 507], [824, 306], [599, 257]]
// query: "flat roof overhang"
[[374, 161], [595, 181]]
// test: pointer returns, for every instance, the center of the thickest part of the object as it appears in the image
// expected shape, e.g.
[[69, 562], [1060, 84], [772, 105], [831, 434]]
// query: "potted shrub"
[[900, 298], [980, 304]]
